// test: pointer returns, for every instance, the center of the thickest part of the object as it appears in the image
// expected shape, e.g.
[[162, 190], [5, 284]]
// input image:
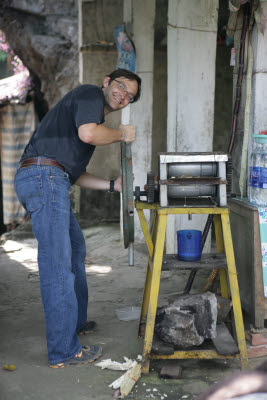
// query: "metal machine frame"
[[166, 159]]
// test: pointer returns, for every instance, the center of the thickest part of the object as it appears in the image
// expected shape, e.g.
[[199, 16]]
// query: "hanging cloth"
[[17, 123]]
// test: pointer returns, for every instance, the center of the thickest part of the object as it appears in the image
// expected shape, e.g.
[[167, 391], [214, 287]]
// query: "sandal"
[[89, 327], [86, 356]]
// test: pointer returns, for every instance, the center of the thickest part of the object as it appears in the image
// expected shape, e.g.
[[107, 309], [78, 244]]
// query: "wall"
[[98, 57]]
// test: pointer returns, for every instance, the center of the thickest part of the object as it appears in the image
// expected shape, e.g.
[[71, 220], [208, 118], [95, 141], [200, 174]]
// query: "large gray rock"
[[44, 34], [188, 321]]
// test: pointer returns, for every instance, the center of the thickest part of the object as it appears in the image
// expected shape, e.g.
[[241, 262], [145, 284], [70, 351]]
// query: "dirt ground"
[[113, 285]]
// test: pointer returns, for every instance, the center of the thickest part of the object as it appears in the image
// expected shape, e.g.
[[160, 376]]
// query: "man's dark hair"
[[118, 73]]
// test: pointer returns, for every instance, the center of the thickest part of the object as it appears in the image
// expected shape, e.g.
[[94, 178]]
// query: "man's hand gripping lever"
[[128, 132]]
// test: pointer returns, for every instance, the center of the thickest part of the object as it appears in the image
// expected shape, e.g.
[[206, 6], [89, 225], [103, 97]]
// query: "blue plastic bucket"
[[189, 245]]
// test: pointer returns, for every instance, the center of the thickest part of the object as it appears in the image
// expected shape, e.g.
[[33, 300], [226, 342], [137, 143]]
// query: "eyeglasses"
[[122, 88]]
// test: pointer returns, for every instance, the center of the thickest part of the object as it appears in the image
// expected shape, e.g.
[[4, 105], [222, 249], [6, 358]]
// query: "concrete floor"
[[112, 285]]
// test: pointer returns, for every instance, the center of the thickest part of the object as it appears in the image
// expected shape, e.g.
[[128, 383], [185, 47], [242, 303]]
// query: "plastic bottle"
[[262, 198], [257, 187], [254, 172]]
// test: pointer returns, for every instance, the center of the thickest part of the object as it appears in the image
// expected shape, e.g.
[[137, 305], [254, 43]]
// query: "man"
[[55, 158]]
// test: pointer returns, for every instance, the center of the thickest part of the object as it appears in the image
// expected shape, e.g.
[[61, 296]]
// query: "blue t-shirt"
[[57, 135]]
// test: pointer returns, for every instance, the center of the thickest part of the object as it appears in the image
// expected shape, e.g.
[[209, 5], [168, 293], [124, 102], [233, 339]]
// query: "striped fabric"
[[17, 123]]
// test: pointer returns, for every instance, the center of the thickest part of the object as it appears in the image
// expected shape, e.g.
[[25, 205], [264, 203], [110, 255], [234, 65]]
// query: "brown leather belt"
[[43, 161]]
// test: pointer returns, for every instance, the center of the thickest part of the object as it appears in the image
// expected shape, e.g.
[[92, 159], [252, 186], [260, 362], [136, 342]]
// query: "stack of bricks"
[[257, 339]]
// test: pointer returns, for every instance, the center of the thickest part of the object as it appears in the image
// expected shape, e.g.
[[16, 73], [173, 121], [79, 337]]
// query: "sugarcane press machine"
[[188, 183]]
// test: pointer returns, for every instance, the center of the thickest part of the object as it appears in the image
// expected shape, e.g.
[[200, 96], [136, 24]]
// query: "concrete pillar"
[[238, 141], [192, 33], [258, 111], [139, 17], [98, 57], [259, 82]]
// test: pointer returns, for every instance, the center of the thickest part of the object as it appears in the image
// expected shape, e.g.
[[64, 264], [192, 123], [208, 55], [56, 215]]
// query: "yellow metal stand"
[[155, 245]]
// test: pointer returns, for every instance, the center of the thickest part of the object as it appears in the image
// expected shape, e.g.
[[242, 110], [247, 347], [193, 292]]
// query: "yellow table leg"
[[220, 249], [149, 242], [150, 245], [233, 282], [144, 307], [154, 291], [218, 233]]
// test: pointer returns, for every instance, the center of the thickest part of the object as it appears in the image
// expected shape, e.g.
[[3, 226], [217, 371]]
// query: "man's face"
[[118, 93]]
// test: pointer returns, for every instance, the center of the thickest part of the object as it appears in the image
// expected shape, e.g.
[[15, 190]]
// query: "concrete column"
[[258, 111], [192, 33], [139, 17], [98, 57], [238, 141], [259, 82]]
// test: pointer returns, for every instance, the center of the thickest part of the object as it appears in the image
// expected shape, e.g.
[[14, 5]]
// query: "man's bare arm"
[[98, 135], [89, 181]]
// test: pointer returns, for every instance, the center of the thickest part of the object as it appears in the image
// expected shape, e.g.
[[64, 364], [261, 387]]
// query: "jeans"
[[44, 193]]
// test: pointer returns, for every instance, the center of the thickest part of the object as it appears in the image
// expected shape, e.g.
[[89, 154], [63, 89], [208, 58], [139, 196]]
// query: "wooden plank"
[[244, 218], [208, 261], [258, 292], [224, 343]]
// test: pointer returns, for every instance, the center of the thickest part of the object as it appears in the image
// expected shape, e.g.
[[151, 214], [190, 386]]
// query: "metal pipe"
[[131, 254], [180, 191], [240, 75], [192, 169]]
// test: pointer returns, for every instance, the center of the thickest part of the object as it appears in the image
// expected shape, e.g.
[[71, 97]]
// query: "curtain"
[[17, 123]]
